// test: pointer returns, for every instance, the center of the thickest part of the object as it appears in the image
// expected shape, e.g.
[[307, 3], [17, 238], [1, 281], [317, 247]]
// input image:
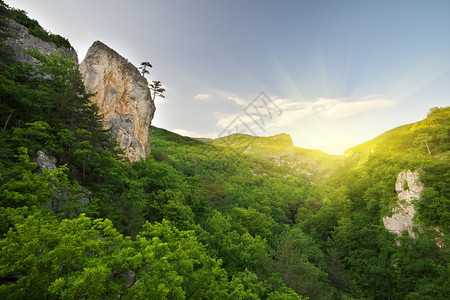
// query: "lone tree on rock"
[[144, 66], [156, 88]]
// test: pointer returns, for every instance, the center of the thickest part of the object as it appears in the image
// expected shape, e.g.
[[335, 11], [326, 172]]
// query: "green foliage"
[[434, 205], [21, 186], [245, 285], [301, 265], [405, 186], [88, 258], [34, 136], [438, 113], [7, 53], [179, 264]]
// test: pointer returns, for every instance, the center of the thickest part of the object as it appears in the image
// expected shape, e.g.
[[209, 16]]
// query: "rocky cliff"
[[408, 187], [123, 98], [20, 40]]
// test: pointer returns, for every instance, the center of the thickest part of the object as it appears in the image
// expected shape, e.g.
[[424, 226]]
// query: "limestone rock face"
[[408, 187], [123, 98], [19, 39]]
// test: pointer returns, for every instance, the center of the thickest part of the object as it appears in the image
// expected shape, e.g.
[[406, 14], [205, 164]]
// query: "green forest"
[[198, 219]]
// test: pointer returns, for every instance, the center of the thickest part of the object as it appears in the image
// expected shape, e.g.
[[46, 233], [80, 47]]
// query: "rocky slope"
[[123, 98], [20, 40]]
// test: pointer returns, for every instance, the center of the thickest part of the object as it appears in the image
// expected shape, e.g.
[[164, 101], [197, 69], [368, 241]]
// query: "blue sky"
[[337, 73]]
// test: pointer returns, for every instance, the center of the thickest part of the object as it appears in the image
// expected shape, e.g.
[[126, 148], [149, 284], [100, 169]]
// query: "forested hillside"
[[198, 219], [313, 165]]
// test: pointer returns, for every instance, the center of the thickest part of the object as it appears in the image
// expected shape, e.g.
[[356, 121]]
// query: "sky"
[[331, 74]]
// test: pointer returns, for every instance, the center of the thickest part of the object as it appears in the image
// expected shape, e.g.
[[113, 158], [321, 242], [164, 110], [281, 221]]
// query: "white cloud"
[[239, 101], [193, 134], [222, 95], [226, 120], [332, 108], [164, 86], [202, 96], [340, 108], [185, 132], [293, 112]]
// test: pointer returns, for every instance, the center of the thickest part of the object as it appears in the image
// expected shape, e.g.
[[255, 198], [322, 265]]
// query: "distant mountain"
[[313, 165], [251, 144], [280, 150], [316, 165]]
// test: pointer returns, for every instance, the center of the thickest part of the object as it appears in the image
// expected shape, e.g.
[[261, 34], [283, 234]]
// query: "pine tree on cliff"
[[157, 90], [155, 87], [144, 66]]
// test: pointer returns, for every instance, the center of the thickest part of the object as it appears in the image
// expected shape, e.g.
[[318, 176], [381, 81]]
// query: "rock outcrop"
[[20, 40], [122, 96], [408, 188], [45, 162], [62, 196]]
